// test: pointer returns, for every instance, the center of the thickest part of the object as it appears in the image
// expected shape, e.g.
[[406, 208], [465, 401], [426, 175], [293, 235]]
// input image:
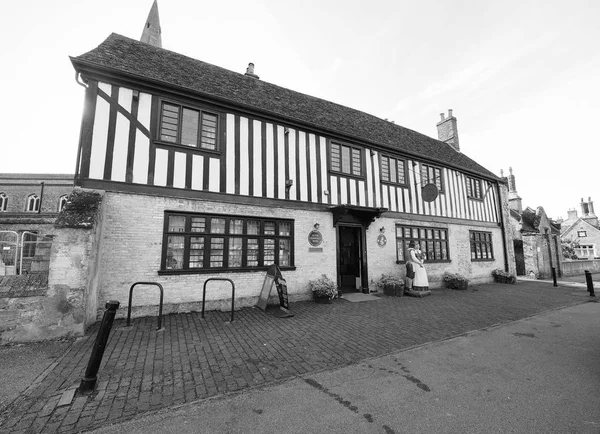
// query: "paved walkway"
[[194, 358]]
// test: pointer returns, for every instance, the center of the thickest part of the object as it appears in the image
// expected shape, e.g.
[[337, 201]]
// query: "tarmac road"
[[537, 375]]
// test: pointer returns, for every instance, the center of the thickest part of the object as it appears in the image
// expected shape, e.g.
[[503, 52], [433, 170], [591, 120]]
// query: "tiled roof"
[[144, 61]]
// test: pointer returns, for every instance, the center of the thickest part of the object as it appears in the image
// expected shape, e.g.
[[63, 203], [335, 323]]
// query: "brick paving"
[[194, 358]]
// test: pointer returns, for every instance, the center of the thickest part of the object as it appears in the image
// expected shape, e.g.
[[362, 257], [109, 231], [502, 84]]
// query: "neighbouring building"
[[582, 233], [536, 237], [29, 205], [206, 172]]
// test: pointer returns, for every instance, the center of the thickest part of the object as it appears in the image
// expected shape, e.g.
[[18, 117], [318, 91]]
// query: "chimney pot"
[[449, 113], [250, 71], [442, 116]]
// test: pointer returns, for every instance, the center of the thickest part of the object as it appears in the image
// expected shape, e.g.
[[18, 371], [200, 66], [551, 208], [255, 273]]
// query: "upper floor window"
[[474, 188], [393, 170], [33, 203], [198, 242], [3, 202], [346, 159], [582, 234], [481, 246], [188, 127], [432, 175], [62, 201], [433, 242]]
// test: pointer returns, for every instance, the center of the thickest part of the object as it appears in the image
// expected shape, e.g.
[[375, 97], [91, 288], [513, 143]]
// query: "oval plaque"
[[429, 192], [315, 238], [381, 240]]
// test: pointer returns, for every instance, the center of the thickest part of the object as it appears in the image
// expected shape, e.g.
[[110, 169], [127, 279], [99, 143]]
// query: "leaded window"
[[433, 242], [481, 246], [474, 188], [346, 159], [187, 126], [208, 242], [62, 201], [432, 175], [393, 170]]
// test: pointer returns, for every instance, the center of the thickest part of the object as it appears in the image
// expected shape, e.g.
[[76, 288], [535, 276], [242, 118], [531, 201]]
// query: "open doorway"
[[350, 259]]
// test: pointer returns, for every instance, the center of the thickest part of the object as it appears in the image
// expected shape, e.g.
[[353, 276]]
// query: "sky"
[[522, 77]]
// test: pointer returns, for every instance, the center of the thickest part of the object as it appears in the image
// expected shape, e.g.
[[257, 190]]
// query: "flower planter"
[[323, 300], [393, 290]]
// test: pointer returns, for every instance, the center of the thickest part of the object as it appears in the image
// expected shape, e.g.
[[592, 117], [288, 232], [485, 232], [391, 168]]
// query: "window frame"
[[178, 139], [581, 232], [424, 181], [226, 235], [401, 239], [487, 242], [35, 199], [471, 182], [3, 202], [352, 148], [397, 160]]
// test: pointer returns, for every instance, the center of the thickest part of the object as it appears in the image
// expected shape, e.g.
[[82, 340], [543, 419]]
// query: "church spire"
[[151, 33]]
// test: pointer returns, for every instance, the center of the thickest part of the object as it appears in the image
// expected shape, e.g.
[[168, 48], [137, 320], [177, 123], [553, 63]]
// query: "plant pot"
[[393, 290], [323, 300]]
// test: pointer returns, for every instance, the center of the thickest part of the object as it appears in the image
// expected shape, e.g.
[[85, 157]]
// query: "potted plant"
[[455, 281], [391, 285], [323, 289], [502, 276]]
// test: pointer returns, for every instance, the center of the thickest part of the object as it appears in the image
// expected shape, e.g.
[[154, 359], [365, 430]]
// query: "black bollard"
[[590, 284], [554, 276], [89, 380]]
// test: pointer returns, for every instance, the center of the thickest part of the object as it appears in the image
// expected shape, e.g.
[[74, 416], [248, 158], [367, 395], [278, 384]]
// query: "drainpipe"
[[41, 197], [505, 249]]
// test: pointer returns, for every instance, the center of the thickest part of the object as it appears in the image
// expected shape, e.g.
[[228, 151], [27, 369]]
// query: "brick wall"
[[382, 260], [131, 246]]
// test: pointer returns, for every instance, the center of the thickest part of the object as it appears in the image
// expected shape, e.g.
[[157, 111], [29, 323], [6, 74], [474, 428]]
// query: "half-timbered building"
[[206, 172]]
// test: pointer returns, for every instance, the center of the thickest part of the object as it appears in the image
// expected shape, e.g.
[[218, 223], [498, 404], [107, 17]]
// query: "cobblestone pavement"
[[194, 358]]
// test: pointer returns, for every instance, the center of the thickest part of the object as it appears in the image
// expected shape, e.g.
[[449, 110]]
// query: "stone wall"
[[577, 268]]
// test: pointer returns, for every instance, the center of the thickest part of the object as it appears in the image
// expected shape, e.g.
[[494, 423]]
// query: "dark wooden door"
[[349, 257], [519, 257]]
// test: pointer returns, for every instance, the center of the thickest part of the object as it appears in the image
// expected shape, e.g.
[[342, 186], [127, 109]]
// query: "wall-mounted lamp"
[[382, 229], [326, 192], [316, 226], [289, 183], [286, 131]]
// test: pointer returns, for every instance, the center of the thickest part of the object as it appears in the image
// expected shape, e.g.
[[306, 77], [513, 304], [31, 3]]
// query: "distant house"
[[582, 233], [207, 172], [536, 237], [29, 205]]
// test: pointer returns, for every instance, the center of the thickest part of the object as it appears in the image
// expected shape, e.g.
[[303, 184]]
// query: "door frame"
[[362, 250]]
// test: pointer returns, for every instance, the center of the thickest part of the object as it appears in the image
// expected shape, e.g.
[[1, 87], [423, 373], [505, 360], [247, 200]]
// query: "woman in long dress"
[[419, 281]]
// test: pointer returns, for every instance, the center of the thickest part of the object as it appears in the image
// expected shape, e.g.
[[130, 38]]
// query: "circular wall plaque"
[[429, 192], [381, 240], [315, 238]]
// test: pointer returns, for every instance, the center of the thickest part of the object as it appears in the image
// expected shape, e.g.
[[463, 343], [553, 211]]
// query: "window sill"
[[483, 260], [348, 175], [478, 199], [194, 149], [394, 184], [219, 270]]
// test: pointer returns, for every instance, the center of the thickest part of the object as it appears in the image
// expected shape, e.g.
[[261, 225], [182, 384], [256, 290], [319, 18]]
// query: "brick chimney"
[[587, 212], [250, 71], [514, 200], [447, 130]]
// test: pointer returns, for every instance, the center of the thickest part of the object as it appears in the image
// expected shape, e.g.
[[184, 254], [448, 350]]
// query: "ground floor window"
[[585, 251], [197, 242], [481, 246], [433, 242]]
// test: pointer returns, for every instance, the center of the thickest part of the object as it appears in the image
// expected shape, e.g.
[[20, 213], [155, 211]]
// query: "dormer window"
[[62, 201], [33, 203], [188, 127], [3, 202]]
